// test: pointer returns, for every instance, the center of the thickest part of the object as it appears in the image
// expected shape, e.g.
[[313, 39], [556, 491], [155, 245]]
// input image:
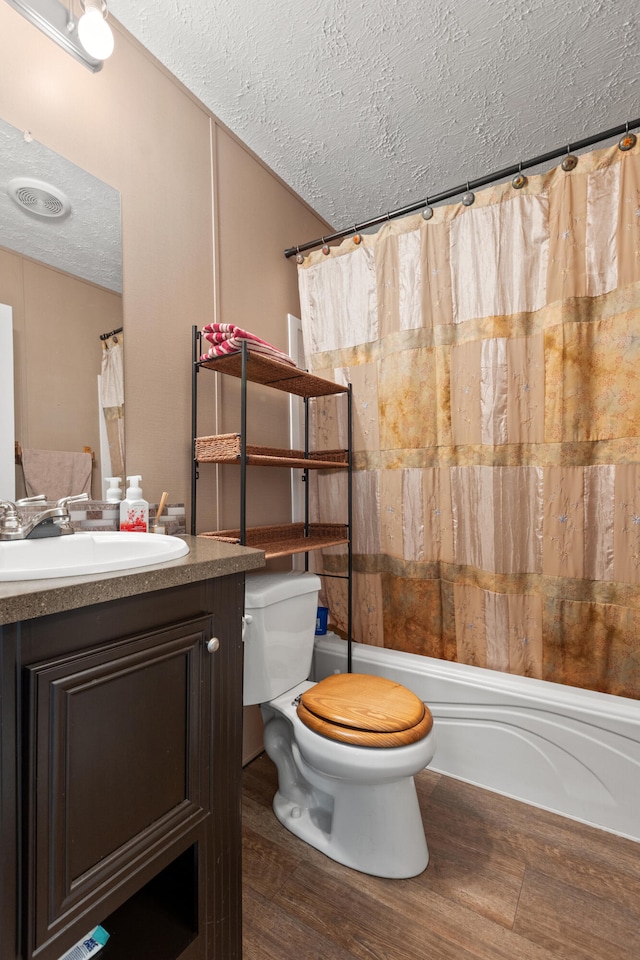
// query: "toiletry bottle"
[[114, 493], [134, 511]]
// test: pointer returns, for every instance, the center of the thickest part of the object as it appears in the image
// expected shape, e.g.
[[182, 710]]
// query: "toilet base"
[[364, 839], [373, 825]]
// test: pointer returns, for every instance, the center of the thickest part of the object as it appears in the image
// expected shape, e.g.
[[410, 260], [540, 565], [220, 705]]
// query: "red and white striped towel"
[[227, 338]]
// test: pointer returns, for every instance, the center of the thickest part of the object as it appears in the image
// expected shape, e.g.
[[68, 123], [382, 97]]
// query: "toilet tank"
[[279, 631]]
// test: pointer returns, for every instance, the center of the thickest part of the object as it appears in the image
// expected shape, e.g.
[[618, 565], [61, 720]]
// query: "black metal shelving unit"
[[285, 539]]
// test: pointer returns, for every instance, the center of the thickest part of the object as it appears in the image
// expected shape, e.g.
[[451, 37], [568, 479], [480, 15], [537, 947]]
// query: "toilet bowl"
[[346, 748]]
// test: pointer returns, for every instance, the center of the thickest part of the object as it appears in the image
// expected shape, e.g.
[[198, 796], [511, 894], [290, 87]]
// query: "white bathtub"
[[570, 751]]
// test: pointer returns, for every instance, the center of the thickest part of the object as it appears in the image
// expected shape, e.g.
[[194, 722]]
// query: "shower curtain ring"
[[570, 162], [628, 141], [427, 213], [519, 181], [326, 249], [469, 197], [299, 257], [356, 236]]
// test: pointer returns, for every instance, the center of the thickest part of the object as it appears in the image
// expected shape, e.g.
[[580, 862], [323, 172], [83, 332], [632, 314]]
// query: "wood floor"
[[505, 882]]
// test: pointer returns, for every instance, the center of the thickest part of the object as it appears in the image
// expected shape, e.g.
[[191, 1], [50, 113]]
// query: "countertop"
[[207, 558]]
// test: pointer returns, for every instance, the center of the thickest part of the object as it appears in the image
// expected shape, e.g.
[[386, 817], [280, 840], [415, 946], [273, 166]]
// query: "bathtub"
[[567, 750]]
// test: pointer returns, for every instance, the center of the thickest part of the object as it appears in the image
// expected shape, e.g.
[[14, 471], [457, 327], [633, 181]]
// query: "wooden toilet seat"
[[364, 710]]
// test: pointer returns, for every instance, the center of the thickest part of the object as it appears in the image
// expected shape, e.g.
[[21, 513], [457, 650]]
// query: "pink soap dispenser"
[[134, 510]]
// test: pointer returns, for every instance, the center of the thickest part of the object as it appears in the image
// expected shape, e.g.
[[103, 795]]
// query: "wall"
[[57, 322], [204, 225]]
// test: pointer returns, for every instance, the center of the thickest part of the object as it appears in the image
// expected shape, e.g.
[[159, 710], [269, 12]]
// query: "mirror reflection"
[[61, 298]]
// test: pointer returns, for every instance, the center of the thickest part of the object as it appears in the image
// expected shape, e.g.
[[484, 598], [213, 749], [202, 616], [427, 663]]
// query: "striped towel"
[[226, 338]]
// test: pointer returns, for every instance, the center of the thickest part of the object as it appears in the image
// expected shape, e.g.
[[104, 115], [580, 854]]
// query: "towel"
[[226, 338], [56, 473]]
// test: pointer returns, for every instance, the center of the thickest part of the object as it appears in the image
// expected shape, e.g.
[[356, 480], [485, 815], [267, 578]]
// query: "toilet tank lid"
[[263, 589]]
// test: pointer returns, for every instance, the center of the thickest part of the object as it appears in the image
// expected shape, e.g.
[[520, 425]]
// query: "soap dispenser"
[[114, 493], [134, 510]]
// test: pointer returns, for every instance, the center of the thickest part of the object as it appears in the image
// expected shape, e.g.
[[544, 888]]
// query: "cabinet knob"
[[213, 644]]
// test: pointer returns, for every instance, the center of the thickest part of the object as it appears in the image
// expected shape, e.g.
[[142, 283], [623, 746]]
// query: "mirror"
[[61, 277]]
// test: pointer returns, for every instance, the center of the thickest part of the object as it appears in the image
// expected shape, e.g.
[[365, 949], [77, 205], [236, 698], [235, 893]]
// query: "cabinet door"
[[116, 786]]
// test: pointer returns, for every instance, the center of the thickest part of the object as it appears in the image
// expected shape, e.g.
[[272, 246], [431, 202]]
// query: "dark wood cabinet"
[[121, 759]]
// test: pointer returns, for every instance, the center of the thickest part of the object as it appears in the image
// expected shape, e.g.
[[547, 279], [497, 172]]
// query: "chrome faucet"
[[52, 522]]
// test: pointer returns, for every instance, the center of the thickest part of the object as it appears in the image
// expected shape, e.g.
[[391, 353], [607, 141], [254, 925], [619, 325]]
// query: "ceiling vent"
[[39, 198]]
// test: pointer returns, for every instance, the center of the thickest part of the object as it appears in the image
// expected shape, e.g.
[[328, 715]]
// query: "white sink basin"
[[83, 553]]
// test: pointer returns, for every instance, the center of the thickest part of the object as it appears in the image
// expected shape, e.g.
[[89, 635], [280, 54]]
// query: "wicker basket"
[[273, 373], [333, 456], [226, 447], [287, 538]]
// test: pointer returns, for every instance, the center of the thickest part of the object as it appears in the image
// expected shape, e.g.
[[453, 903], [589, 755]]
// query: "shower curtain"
[[112, 400], [494, 354]]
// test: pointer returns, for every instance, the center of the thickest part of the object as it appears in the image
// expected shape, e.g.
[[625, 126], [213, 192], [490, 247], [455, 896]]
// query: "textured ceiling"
[[87, 242], [366, 106]]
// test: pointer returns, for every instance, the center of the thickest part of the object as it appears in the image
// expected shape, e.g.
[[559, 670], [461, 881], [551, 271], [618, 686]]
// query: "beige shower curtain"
[[494, 353], [112, 400]]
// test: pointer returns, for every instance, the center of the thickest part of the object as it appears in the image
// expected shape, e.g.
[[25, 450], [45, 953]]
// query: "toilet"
[[346, 748]]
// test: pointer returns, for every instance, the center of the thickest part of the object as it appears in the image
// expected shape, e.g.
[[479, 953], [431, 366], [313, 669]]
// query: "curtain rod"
[[470, 185], [112, 333]]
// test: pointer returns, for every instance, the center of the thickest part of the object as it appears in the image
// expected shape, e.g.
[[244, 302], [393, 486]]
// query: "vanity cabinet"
[[121, 760]]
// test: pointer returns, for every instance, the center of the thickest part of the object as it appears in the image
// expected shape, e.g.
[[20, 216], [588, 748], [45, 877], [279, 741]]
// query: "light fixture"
[[56, 19], [94, 32]]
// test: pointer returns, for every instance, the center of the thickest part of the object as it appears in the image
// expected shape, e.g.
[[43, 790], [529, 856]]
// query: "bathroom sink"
[[84, 553]]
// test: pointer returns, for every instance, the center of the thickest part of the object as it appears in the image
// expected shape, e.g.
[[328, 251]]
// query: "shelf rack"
[[232, 448]]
